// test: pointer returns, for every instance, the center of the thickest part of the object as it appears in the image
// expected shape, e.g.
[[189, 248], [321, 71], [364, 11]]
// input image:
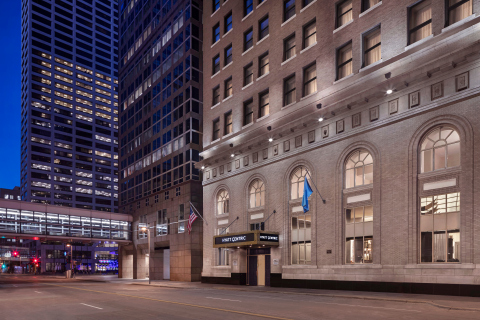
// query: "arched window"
[[257, 194], [440, 150], [296, 181], [223, 202], [359, 169]]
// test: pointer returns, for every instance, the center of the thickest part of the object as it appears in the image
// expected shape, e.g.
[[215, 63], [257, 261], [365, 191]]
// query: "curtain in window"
[[345, 12], [420, 14], [371, 3], [374, 54], [344, 55], [460, 12]]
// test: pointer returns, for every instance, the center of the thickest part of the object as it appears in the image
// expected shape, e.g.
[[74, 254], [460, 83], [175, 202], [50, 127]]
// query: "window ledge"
[[248, 85], [288, 105], [229, 97], [340, 28], [222, 267], [443, 265], [308, 47], [227, 33], [459, 23], [224, 2], [419, 42], [300, 266], [305, 8], [248, 15], [265, 116], [214, 44], [284, 62], [214, 75], [291, 18], [371, 65], [263, 76], [215, 141], [214, 12], [215, 106], [364, 188], [261, 4], [260, 41], [248, 125], [370, 9], [344, 78], [244, 52], [228, 65], [311, 94], [227, 135]]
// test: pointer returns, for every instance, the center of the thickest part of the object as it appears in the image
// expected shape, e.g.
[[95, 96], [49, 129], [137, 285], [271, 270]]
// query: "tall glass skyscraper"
[[69, 108]]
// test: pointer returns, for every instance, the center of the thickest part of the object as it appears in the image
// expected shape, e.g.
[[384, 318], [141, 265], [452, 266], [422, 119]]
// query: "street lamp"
[[71, 256], [149, 254]]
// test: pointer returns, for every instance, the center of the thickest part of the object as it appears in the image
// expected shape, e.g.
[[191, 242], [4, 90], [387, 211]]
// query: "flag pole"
[[198, 213], [311, 179]]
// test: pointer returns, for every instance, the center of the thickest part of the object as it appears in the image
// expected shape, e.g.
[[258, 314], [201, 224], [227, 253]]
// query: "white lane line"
[[36, 291], [357, 305], [223, 299], [91, 306]]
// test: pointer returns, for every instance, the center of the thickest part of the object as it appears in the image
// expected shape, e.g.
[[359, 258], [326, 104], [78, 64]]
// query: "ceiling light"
[[203, 167], [232, 155], [270, 139], [320, 119], [389, 91]]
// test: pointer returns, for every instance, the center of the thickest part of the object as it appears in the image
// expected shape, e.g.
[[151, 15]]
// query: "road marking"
[[370, 307], [177, 303], [223, 299], [37, 292], [91, 306]]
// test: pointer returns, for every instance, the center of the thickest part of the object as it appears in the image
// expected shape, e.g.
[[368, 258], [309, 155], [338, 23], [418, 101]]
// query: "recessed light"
[[203, 167], [389, 91], [270, 139], [320, 119], [232, 155]]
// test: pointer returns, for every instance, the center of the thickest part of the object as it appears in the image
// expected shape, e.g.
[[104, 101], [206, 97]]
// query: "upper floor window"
[[228, 22], [288, 9], [309, 34], [420, 21], [248, 74], [372, 47], [306, 2], [257, 194], [344, 61], [248, 39], [228, 87], [289, 90], [263, 28], [310, 80], [216, 129], [247, 7], [344, 12], [264, 108], [440, 150], [458, 10], [223, 202], [248, 112], [359, 169], [216, 95], [216, 5], [228, 54], [296, 183], [263, 64], [216, 64], [228, 123], [216, 33], [289, 47], [367, 4]]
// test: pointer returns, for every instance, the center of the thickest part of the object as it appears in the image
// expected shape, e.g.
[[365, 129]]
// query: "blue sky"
[[10, 89]]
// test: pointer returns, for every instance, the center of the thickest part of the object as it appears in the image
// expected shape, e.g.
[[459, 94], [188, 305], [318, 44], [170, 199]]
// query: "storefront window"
[[301, 239], [359, 234]]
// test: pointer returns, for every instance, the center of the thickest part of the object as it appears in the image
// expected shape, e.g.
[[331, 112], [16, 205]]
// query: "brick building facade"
[[378, 101]]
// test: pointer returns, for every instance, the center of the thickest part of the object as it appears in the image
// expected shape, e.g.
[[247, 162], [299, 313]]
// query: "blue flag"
[[307, 191]]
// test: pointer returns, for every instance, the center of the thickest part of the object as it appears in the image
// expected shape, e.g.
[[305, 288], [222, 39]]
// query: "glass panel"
[[75, 221], [358, 249], [367, 250], [368, 214], [427, 159], [369, 174], [349, 179], [439, 246], [359, 176], [453, 246], [453, 137], [460, 12], [349, 216], [52, 218], [64, 219], [349, 251], [27, 215], [40, 217], [294, 240], [358, 215], [257, 200], [439, 158], [453, 155], [96, 223], [294, 191]]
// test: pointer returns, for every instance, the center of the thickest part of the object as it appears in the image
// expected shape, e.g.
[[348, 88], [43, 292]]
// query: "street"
[[41, 297]]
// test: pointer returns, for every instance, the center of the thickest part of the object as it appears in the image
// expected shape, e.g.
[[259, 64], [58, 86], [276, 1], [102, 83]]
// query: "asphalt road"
[[29, 297]]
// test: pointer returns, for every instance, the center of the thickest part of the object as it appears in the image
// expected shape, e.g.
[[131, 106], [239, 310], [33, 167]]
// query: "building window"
[[223, 256], [216, 33], [367, 4], [167, 195], [156, 198], [309, 34], [359, 169], [296, 183], [216, 64], [372, 47], [248, 39], [257, 226], [344, 61], [263, 28], [216, 129], [440, 228], [216, 95], [288, 9], [289, 90], [263, 64], [306, 3], [310, 80], [359, 234], [228, 123], [289, 47], [228, 54], [344, 12], [223, 202], [181, 218], [247, 7], [248, 74], [301, 239], [457, 10], [162, 222], [147, 202], [138, 204], [248, 112], [257, 194], [420, 21], [228, 87], [440, 150], [177, 191], [264, 104], [216, 5], [228, 22]]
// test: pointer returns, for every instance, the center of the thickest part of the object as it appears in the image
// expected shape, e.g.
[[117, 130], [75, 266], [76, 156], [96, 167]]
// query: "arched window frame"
[[223, 202], [441, 144], [297, 179], [256, 194], [358, 169]]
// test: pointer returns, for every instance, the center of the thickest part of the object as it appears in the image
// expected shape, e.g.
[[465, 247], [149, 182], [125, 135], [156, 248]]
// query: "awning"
[[247, 238]]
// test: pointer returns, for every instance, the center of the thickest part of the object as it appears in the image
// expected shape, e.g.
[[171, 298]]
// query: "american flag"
[[191, 219]]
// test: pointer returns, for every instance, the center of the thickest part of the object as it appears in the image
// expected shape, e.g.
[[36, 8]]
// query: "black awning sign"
[[269, 237], [239, 238]]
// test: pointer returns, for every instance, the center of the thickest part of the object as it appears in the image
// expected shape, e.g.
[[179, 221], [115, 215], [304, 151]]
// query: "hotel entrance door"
[[259, 267]]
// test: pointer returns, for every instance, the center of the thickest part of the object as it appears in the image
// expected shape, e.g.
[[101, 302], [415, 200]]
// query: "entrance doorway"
[[258, 267], [166, 264]]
